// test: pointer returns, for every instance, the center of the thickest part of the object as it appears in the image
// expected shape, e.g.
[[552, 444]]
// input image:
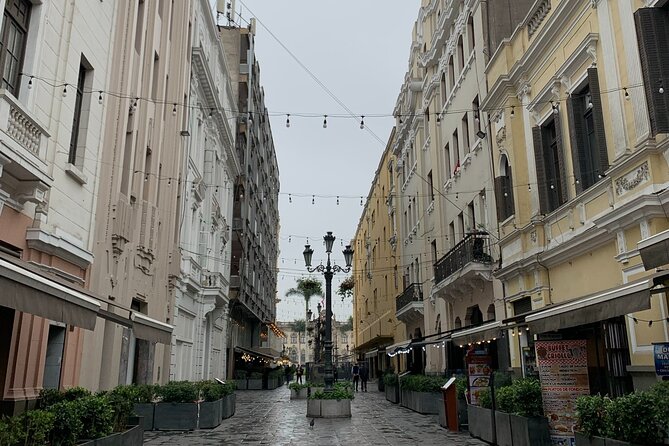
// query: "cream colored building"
[[579, 116], [142, 188], [376, 271], [199, 341]]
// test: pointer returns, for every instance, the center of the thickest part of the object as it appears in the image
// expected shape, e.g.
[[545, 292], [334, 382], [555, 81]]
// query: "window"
[[471, 216], [76, 120], [461, 56], [477, 115], [456, 150], [444, 91], [13, 42], [293, 338], [588, 139], [451, 234], [465, 133], [430, 184], [461, 226], [504, 191], [552, 184], [434, 251], [652, 26], [451, 74], [447, 161], [471, 37]]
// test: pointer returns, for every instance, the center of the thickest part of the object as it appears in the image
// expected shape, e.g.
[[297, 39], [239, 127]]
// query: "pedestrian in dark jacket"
[[355, 372], [364, 377]]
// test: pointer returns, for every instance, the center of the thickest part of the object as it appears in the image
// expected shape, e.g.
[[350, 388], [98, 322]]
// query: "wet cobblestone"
[[269, 417]]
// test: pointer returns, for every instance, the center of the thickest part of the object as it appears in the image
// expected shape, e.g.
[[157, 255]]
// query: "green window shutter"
[[652, 28], [562, 164], [598, 120], [509, 208], [542, 186], [576, 137], [499, 198]]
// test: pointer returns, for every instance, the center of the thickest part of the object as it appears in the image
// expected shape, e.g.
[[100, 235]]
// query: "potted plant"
[[333, 404], [392, 389], [211, 394], [229, 400], [254, 381], [298, 391], [241, 379], [178, 407], [421, 393]]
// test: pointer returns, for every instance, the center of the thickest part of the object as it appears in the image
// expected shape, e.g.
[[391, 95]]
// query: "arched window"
[[444, 91], [458, 322], [471, 37], [504, 190], [461, 55], [491, 312], [474, 316], [451, 73]]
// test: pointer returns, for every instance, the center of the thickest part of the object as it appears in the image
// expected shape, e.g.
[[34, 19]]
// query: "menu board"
[[661, 355], [563, 371], [478, 373]]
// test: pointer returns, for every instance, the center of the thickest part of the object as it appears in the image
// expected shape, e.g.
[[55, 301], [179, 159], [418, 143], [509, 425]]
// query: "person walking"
[[355, 372], [299, 373], [364, 377]]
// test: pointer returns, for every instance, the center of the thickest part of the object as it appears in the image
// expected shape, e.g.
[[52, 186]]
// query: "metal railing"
[[474, 247], [412, 293]]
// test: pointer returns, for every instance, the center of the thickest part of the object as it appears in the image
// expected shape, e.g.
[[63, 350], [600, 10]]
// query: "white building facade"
[[210, 167]]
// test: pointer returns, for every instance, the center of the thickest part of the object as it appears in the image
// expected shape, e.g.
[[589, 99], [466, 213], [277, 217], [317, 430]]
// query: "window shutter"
[[561, 161], [499, 198], [541, 170], [508, 201], [598, 119], [652, 28], [576, 136]]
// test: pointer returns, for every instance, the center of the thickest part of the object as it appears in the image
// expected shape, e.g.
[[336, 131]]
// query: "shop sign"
[[478, 373], [661, 354], [563, 371]]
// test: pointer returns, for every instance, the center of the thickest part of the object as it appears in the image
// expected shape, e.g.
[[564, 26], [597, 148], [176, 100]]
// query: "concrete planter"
[[242, 384], [175, 416], [405, 397], [134, 436], [421, 402], [584, 440], [480, 422], [210, 414], [273, 383], [254, 384], [393, 394], [298, 394], [530, 431], [329, 408], [228, 406], [503, 429], [145, 412]]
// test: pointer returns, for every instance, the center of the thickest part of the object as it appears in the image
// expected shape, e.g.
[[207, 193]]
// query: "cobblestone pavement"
[[269, 417]]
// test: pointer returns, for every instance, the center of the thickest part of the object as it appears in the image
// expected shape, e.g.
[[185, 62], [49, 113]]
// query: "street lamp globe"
[[308, 254], [329, 241], [348, 256]]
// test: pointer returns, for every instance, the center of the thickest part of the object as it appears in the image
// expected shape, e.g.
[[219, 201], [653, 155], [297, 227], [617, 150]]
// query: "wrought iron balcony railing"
[[474, 247], [412, 293]]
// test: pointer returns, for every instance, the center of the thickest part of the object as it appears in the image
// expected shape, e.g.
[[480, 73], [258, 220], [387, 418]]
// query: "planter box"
[[228, 406], [298, 394], [210, 414], [175, 416], [145, 411], [241, 384], [584, 440], [134, 436], [392, 394], [254, 384], [530, 431], [503, 429], [425, 402], [273, 383], [463, 419], [405, 397], [329, 408], [480, 422]]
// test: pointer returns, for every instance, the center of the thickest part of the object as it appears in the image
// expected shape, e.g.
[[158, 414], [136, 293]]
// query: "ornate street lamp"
[[328, 271]]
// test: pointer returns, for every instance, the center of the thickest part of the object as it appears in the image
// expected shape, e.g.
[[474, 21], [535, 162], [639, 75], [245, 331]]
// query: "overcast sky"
[[358, 49]]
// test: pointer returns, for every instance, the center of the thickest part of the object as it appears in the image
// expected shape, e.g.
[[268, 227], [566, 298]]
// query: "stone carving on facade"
[[500, 137], [533, 236], [631, 180], [540, 13]]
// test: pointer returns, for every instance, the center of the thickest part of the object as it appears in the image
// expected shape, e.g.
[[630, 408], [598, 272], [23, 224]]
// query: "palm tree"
[[299, 325], [307, 287]]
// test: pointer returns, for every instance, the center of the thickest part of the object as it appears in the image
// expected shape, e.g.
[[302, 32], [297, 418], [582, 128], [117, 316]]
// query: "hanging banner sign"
[[563, 372], [661, 355]]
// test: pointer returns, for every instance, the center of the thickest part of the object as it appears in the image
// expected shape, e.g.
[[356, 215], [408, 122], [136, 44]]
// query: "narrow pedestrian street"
[[269, 417]]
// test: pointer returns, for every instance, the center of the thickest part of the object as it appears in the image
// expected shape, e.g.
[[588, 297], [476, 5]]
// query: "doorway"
[[54, 356]]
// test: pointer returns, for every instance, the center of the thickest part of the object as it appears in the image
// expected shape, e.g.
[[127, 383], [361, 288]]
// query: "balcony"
[[471, 259], [409, 304]]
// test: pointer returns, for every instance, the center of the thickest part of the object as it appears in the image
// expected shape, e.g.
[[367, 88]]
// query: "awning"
[[25, 288], [397, 346], [484, 332], [150, 329], [372, 353], [625, 299], [263, 352]]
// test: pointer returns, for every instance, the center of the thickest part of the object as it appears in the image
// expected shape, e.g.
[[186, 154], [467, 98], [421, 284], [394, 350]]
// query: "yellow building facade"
[[375, 269], [578, 124]]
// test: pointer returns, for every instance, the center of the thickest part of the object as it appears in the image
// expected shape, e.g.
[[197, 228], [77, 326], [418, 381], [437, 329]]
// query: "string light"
[[325, 121], [555, 108], [30, 83], [65, 90], [174, 110], [290, 198], [288, 120], [627, 94], [337, 200], [313, 199], [513, 111], [100, 98], [362, 122], [661, 90]]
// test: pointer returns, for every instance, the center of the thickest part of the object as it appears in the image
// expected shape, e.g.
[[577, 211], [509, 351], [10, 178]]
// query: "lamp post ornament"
[[328, 270]]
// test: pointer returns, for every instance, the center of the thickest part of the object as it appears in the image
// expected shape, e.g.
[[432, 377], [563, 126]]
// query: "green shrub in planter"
[[31, 428], [68, 424], [297, 387], [49, 397], [527, 397], [213, 390], [335, 394], [97, 416], [76, 393], [661, 393], [485, 400], [504, 399], [591, 415], [422, 383], [255, 375], [634, 418], [178, 392], [122, 400], [390, 380], [460, 387]]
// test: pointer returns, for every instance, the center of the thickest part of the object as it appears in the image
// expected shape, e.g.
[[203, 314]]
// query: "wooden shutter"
[[652, 28], [509, 207], [562, 164], [499, 198], [576, 136], [542, 183], [598, 119]]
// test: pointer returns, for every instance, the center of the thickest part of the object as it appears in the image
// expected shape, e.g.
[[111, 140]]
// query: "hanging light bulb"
[[325, 121], [30, 83], [65, 90], [529, 188], [438, 117], [506, 194], [174, 110], [337, 200], [627, 94], [360, 201], [290, 198], [552, 186], [476, 118], [313, 199], [661, 90], [100, 98], [513, 111], [362, 122], [555, 108], [577, 181], [288, 120], [211, 113], [590, 101]]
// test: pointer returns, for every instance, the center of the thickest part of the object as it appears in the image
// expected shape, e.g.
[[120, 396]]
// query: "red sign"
[[478, 373]]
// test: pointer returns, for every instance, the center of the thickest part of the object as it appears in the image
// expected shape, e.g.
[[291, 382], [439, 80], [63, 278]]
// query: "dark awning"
[[624, 299], [149, 329], [480, 333], [25, 288], [263, 352]]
